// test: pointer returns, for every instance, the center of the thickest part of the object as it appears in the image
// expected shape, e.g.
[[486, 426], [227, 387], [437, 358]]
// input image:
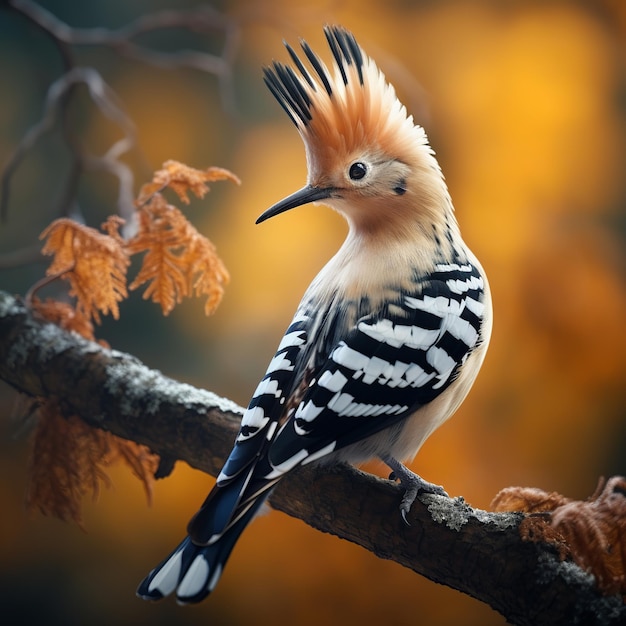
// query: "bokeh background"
[[525, 105]]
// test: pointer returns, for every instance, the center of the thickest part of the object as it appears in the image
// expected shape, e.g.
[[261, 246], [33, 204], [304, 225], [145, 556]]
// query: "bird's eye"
[[357, 170]]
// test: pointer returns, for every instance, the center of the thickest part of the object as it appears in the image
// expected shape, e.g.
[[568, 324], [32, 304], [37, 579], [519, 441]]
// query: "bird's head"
[[365, 156]]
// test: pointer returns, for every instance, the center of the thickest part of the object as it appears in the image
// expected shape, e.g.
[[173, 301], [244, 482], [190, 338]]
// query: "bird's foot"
[[413, 485]]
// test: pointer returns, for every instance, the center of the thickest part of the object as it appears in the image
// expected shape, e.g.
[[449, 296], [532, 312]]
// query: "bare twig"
[[109, 162], [204, 20], [43, 282], [106, 101]]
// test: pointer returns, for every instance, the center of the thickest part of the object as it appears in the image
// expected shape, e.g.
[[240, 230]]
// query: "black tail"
[[194, 570]]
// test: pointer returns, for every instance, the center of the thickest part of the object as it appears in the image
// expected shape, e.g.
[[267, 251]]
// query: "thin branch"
[[44, 125], [481, 554], [22, 256], [44, 282], [106, 101], [109, 162], [29, 9], [204, 20]]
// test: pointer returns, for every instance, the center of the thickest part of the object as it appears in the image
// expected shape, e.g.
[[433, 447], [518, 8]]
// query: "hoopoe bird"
[[388, 338]]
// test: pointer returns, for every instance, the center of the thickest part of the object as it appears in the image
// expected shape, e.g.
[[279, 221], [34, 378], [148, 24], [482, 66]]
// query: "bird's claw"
[[407, 502], [413, 485]]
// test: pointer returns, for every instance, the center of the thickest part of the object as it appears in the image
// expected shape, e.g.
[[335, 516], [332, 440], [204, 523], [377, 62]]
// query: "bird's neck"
[[377, 266]]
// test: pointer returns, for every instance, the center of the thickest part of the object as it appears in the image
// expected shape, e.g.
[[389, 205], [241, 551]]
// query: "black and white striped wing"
[[388, 365], [267, 406], [242, 479], [365, 378]]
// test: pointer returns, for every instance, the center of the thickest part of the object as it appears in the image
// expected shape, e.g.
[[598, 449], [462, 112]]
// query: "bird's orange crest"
[[343, 111]]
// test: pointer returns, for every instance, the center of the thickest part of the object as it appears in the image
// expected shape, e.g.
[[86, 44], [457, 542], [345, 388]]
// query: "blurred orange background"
[[525, 105]]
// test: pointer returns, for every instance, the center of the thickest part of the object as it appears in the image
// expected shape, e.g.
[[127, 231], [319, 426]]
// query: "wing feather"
[[385, 367], [337, 379]]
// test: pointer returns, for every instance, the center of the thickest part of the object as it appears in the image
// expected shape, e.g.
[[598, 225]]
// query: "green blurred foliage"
[[524, 103]]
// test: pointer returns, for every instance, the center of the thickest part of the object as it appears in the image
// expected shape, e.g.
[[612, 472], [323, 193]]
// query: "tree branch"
[[204, 20], [448, 541]]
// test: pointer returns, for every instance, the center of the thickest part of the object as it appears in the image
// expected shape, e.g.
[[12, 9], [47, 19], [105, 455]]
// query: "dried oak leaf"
[[69, 460], [94, 263], [591, 532], [178, 260]]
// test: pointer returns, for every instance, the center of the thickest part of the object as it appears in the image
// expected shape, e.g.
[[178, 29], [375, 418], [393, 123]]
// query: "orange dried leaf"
[[595, 530], [112, 227], [527, 500], [141, 460], [65, 464], [94, 263], [162, 234], [205, 271], [183, 179], [178, 259], [69, 460], [592, 533], [64, 315]]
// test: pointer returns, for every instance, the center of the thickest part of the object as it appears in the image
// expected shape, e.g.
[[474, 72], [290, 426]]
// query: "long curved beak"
[[302, 196]]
